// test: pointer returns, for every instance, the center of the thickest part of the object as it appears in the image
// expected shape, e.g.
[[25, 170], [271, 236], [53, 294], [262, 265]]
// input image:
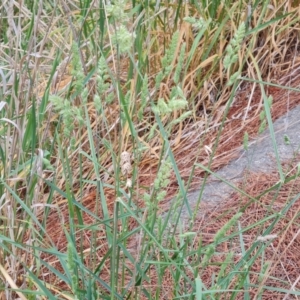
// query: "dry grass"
[[190, 136], [280, 256], [256, 183], [277, 258], [274, 47], [206, 224]]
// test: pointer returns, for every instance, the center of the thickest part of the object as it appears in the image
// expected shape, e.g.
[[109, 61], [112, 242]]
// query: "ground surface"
[[252, 171], [260, 157]]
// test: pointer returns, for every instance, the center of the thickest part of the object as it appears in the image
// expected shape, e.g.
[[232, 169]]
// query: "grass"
[[110, 113]]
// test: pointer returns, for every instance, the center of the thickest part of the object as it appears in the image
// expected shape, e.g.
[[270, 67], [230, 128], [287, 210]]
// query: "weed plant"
[[96, 99]]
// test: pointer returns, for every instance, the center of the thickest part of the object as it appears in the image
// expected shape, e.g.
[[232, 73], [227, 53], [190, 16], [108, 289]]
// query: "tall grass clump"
[[110, 113]]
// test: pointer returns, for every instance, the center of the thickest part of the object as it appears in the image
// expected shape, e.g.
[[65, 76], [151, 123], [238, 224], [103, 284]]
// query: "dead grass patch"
[[281, 255]]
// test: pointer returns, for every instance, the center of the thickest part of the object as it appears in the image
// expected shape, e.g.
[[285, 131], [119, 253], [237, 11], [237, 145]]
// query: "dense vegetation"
[[109, 110]]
